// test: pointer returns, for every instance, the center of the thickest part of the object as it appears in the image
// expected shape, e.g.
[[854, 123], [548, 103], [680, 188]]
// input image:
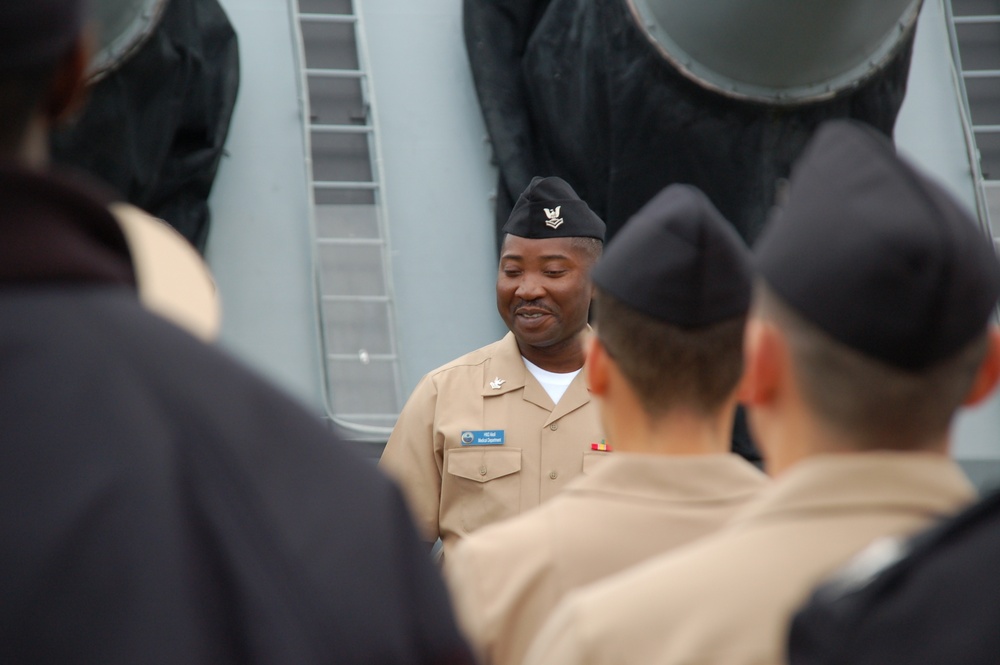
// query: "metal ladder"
[[975, 42], [353, 258]]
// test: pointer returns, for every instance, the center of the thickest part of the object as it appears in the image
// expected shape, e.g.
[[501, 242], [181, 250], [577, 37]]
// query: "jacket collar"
[[56, 229], [505, 370], [924, 483], [674, 478]]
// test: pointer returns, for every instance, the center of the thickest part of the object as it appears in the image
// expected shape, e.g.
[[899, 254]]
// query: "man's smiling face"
[[543, 290]]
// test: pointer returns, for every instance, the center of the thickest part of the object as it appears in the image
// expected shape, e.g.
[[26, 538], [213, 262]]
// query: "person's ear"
[[597, 366], [69, 85], [764, 357], [988, 373]]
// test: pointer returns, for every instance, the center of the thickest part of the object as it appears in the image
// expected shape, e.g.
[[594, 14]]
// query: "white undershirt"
[[555, 384]]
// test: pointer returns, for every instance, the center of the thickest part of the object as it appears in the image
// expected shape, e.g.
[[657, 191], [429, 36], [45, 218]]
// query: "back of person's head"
[[667, 365], [35, 36], [673, 290], [873, 403], [883, 287]]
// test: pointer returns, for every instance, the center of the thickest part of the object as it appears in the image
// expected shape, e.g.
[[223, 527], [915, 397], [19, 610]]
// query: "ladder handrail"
[[958, 78]]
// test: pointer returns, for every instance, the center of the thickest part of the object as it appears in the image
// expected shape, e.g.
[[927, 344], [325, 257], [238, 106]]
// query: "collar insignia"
[[496, 383], [552, 218]]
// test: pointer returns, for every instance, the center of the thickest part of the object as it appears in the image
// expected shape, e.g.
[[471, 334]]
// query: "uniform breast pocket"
[[484, 485], [592, 460]]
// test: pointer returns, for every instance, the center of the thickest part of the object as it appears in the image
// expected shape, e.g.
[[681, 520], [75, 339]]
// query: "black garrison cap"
[[549, 208], [37, 32], [678, 260], [877, 255]]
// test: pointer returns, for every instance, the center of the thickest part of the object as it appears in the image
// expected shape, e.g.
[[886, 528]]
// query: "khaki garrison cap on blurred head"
[[549, 208], [172, 278], [876, 254], [678, 260]]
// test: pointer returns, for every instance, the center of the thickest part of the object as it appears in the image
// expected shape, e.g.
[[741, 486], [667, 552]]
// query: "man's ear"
[[764, 357], [989, 370], [69, 85], [597, 366]]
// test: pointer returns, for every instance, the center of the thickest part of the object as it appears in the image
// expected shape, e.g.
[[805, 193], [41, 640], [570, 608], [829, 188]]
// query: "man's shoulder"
[[472, 359], [671, 584], [665, 605]]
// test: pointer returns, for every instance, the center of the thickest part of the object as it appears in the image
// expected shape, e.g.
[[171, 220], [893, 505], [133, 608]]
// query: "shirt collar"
[[506, 372], [676, 478], [927, 483]]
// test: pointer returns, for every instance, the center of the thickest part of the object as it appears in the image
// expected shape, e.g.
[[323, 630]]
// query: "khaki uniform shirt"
[[728, 598], [506, 579], [454, 489]]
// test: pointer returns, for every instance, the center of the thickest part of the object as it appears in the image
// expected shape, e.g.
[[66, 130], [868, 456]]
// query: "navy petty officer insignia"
[[552, 218], [491, 437]]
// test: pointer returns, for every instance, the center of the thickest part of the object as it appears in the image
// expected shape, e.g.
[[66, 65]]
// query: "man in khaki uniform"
[[673, 290], [869, 329], [506, 427]]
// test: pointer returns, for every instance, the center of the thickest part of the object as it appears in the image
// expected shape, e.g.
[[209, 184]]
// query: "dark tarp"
[[155, 127], [573, 88]]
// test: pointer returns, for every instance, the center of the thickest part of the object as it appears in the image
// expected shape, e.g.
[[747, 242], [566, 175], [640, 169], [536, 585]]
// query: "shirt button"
[[482, 470], [554, 426], [553, 475]]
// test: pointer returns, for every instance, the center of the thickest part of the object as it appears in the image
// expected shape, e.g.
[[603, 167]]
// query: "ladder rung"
[[371, 357], [981, 73], [350, 241], [328, 18], [336, 73], [343, 298], [985, 18], [343, 184], [368, 416], [986, 129], [341, 129]]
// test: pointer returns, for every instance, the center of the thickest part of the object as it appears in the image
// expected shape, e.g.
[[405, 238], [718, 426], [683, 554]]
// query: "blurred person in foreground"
[[672, 293], [869, 330], [159, 502]]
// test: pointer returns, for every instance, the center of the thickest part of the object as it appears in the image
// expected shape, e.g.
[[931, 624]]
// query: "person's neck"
[[680, 432], [567, 356], [788, 440]]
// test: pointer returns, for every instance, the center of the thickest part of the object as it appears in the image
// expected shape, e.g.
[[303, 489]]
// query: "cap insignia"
[[552, 218]]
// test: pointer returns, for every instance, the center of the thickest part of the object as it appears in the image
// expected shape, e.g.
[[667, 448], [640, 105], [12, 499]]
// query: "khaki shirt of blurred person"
[[506, 579], [728, 599]]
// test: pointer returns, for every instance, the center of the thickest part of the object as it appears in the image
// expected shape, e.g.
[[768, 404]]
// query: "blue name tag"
[[488, 437]]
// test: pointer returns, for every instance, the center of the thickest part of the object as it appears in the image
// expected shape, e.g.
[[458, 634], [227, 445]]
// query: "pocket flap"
[[483, 465], [592, 460]]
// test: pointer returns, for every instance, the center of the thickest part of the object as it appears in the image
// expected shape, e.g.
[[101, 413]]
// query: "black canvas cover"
[[155, 127], [573, 88]]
